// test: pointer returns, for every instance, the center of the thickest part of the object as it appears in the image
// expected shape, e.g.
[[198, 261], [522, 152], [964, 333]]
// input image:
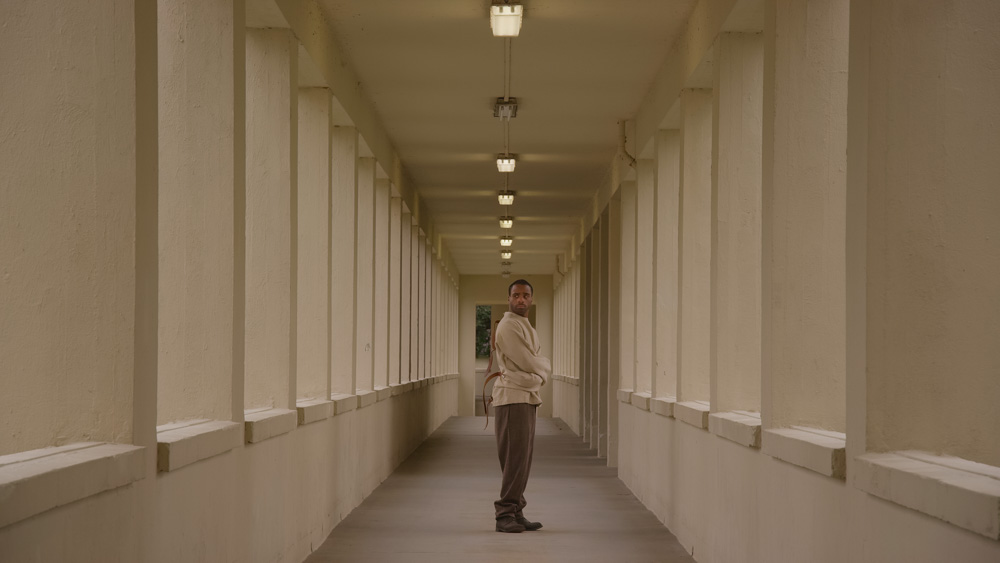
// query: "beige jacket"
[[523, 371]]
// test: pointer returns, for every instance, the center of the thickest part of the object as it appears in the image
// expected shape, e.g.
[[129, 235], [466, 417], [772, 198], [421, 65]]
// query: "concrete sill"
[[439, 378], [451, 376], [625, 396], [39, 480], [382, 393], [640, 400], [575, 381], [399, 388], [819, 450], [343, 402], [313, 410], [366, 398], [694, 413], [183, 443], [741, 427], [262, 424], [663, 406], [958, 491]]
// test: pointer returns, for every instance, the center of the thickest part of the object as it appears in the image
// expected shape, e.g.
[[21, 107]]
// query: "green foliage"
[[483, 330]]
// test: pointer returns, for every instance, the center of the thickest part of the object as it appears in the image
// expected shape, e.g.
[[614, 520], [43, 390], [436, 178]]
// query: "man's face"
[[520, 299]]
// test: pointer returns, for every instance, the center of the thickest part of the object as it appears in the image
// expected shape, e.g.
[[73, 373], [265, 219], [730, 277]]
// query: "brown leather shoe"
[[509, 525], [528, 525]]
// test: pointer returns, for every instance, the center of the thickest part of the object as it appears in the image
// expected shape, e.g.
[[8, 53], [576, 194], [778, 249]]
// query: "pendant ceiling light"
[[506, 240], [506, 197], [506, 254], [506, 162], [506, 222], [505, 19]]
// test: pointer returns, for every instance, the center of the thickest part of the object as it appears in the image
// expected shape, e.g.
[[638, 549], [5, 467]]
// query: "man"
[[516, 399]]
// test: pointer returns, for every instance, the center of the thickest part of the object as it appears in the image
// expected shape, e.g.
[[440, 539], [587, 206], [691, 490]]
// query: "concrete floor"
[[438, 506]]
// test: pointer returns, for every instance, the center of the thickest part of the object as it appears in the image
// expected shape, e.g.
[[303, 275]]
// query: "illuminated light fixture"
[[505, 274], [506, 197], [506, 254], [506, 222], [506, 240], [506, 162], [505, 19], [506, 265], [505, 109]]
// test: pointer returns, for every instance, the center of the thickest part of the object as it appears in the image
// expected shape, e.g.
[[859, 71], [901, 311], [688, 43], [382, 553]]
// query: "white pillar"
[[344, 179], [197, 139], [405, 294], [803, 224], [395, 280], [313, 335], [380, 342], [666, 252], [627, 316], [271, 123], [644, 264], [364, 253], [414, 301], [736, 183], [695, 246]]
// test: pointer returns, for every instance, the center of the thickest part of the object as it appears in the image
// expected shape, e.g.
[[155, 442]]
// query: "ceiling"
[[432, 70]]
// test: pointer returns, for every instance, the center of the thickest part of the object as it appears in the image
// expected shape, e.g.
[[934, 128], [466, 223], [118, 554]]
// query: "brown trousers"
[[515, 430]]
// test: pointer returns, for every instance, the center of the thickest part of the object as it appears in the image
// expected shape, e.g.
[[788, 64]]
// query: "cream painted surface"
[[421, 305], [666, 254], [271, 101], [934, 237], [696, 484], [344, 179], [566, 403], [626, 359], [313, 303], [67, 223], [196, 191], [414, 303], [804, 148], [406, 296], [492, 290], [645, 314], [381, 285], [395, 308], [364, 272], [272, 501], [695, 240], [736, 238]]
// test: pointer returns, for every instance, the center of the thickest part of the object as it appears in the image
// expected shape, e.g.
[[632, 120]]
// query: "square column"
[[380, 325], [405, 294], [414, 300], [343, 179], [627, 312], [199, 115], [695, 242], [313, 334], [736, 238], [395, 280], [364, 275], [804, 214], [666, 252], [271, 139], [644, 264]]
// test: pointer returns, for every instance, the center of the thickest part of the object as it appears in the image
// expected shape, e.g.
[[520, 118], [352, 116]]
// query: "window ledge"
[[958, 491], [366, 398], [663, 406], [439, 378], [640, 400], [268, 423], [694, 413], [313, 410], [39, 480], [382, 393], [625, 396], [451, 376], [741, 427], [343, 402], [183, 443], [400, 388], [819, 450]]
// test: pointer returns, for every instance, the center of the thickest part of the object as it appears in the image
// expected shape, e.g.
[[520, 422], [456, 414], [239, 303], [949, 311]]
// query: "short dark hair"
[[519, 282]]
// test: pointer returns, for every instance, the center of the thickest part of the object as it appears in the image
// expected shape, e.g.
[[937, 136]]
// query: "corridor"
[[437, 506]]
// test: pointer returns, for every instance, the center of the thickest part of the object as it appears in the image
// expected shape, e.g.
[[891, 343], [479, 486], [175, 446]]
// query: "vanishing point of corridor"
[[438, 507]]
